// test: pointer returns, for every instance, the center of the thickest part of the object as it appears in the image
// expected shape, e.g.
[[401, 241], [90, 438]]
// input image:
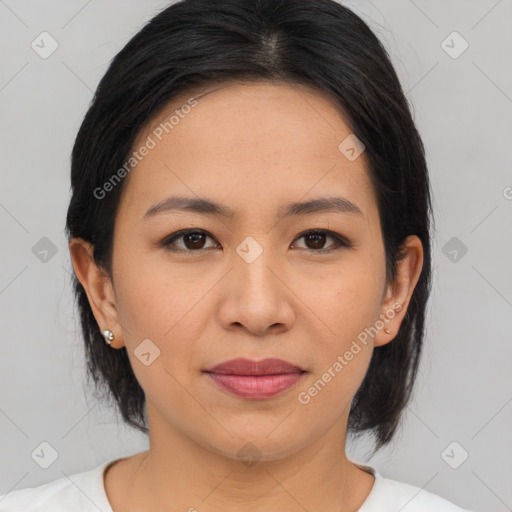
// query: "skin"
[[253, 147]]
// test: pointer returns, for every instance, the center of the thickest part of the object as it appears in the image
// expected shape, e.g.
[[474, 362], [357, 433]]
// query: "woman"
[[250, 233]]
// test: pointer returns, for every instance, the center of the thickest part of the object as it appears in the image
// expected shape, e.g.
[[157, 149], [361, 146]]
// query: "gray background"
[[463, 109]]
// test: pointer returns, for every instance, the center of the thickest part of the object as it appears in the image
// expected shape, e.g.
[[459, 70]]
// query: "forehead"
[[249, 144]]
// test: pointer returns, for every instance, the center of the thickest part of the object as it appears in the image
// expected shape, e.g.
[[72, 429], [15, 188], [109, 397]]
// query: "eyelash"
[[340, 241]]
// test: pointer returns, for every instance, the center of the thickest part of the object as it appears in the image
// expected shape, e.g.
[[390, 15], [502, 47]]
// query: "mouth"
[[241, 366], [255, 379]]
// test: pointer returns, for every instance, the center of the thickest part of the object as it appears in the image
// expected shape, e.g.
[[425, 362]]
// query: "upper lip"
[[241, 366]]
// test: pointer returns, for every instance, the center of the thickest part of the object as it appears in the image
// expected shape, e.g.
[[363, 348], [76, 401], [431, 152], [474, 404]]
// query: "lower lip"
[[256, 386]]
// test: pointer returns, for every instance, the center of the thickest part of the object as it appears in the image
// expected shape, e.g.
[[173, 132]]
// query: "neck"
[[178, 470]]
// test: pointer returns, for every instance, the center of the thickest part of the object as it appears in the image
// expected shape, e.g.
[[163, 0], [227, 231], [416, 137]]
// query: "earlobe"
[[96, 283], [399, 294]]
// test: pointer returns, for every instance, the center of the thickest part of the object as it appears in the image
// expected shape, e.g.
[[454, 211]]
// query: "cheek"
[[167, 306], [353, 299], [343, 355], [328, 393], [152, 307], [349, 308], [155, 299]]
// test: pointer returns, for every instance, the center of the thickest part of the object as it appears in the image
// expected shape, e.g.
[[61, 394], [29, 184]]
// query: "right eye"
[[193, 240]]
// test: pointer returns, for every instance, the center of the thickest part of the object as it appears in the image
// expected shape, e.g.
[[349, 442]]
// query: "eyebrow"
[[208, 207]]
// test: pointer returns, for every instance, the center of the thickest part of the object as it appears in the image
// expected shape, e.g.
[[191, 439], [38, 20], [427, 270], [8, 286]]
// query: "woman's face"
[[252, 283]]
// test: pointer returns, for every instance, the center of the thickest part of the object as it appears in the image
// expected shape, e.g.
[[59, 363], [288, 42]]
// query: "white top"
[[86, 493]]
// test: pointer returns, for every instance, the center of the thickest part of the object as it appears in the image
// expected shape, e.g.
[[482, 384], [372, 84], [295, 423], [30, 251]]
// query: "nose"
[[256, 296]]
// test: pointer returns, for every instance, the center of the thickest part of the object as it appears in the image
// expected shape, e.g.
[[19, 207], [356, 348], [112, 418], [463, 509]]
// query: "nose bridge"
[[256, 298], [259, 295], [254, 260]]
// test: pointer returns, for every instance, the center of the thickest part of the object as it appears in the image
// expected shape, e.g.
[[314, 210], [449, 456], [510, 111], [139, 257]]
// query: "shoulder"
[[81, 491], [390, 495]]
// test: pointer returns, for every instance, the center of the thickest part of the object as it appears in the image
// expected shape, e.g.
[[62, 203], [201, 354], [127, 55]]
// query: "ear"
[[398, 294], [98, 287]]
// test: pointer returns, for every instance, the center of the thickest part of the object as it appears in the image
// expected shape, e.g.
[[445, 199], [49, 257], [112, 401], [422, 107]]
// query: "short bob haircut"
[[319, 43]]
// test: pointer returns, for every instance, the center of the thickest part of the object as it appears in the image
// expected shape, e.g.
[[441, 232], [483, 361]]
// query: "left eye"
[[194, 240], [317, 240]]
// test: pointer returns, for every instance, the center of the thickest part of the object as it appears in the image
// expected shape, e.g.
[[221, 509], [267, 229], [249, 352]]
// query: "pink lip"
[[255, 379], [241, 366], [251, 386]]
